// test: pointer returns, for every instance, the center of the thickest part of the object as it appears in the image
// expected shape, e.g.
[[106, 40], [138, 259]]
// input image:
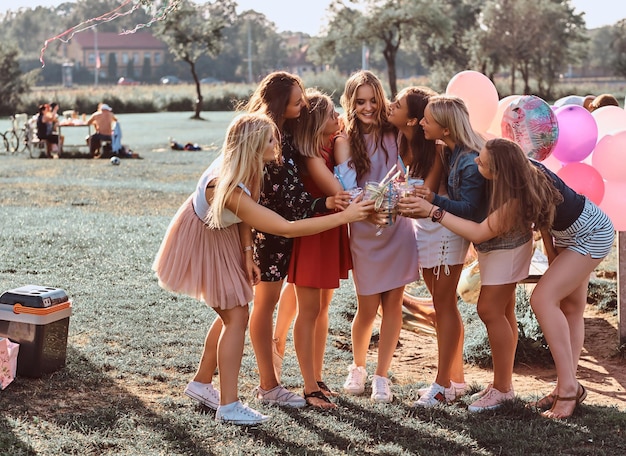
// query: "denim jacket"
[[467, 189]]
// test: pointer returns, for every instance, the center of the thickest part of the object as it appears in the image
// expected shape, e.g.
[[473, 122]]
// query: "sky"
[[310, 15]]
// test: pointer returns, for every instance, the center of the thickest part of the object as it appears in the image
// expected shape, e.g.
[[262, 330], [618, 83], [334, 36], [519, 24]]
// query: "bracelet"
[[430, 212], [247, 248], [438, 215]]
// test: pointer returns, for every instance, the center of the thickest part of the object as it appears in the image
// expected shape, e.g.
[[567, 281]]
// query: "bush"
[[532, 347]]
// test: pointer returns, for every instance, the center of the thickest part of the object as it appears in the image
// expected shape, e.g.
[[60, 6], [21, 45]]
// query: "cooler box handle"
[[20, 309]]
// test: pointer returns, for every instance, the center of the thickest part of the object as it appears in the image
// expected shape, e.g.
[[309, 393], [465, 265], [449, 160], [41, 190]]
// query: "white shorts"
[[437, 246], [502, 266]]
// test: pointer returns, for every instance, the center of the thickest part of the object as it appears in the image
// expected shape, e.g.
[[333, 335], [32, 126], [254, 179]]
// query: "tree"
[[618, 46], [535, 38], [112, 67], [130, 68], [195, 30], [146, 70], [13, 84], [384, 26]]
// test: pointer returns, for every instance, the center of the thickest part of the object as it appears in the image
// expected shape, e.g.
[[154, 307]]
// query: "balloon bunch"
[[587, 150]]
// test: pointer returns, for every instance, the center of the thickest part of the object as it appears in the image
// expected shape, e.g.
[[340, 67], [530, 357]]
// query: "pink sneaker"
[[491, 400]]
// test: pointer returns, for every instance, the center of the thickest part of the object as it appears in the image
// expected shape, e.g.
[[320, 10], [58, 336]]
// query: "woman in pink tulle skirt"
[[207, 254]]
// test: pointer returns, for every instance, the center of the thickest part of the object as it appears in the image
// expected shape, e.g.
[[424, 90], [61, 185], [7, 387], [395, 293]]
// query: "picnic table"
[[75, 132]]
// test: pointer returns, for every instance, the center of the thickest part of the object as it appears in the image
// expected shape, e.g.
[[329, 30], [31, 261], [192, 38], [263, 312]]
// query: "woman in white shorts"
[[446, 145]]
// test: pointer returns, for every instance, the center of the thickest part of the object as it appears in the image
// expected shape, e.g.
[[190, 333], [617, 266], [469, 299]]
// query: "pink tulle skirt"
[[201, 262]]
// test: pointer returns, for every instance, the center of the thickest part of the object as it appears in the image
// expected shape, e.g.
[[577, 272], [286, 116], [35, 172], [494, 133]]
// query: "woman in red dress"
[[318, 261]]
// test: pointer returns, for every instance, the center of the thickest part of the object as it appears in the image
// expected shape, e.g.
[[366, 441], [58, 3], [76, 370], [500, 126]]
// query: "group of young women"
[[275, 180]]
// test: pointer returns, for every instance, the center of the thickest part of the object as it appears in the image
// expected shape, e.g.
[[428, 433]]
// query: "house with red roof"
[[91, 49]]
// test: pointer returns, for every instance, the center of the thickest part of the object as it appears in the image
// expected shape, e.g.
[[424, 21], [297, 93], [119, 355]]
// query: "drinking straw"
[[393, 168]]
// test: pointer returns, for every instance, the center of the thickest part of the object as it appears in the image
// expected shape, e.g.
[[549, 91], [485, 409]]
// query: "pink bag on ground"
[[8, 361]]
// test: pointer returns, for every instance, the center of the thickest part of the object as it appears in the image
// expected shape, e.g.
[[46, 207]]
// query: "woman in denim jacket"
[[504, 259], [446, 120]]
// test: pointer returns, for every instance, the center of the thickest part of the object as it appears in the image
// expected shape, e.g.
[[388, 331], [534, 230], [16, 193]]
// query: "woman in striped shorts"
[[576, 234]]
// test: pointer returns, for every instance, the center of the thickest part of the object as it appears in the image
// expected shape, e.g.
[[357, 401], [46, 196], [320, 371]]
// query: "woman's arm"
[[472, 202], [341, 150], [322, 176], [252, 270], [263, 219], [548, 245], [417, 207]]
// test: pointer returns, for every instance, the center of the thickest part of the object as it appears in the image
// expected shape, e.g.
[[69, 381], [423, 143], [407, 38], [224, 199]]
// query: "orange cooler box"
[[38, 319]]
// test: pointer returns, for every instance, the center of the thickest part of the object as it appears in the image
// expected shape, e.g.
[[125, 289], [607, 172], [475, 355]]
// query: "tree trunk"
[[390, 57], [198, 104]]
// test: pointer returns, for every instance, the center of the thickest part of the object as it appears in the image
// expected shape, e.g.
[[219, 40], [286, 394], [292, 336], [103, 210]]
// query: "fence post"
[[621, 288]]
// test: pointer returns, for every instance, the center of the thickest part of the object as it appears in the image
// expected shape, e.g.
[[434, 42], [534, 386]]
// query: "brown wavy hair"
[[516, 179], [272, 97], [423, 151], [360, 158]]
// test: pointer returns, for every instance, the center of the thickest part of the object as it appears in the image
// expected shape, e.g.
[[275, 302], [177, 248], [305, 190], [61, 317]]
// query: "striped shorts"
[[591, 234]]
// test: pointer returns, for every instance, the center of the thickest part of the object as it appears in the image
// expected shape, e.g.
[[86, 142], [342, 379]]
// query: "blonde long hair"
[[308, 135], [451, 112], [360, 158], [516, 179], [242, 160]]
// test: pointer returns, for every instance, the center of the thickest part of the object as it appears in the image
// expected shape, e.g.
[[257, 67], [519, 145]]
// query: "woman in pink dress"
[[382, 264]]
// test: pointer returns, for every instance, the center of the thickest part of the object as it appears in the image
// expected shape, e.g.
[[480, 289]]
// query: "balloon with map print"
[[532, 124]]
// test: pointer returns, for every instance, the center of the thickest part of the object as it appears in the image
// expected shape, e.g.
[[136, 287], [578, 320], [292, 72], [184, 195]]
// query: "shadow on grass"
[[84, 400]]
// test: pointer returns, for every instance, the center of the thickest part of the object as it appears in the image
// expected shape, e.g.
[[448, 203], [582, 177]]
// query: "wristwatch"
[[438, 215]]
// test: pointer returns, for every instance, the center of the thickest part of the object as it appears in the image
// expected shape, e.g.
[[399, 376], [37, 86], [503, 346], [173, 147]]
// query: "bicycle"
[[16, 139]]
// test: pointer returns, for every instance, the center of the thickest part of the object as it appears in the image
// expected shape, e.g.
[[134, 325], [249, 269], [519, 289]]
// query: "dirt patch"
[[601, 368]]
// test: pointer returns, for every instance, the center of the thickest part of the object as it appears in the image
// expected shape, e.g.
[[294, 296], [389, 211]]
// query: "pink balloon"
[[479, 94], [609, 157], [495, 128], [609, 119], [614, 204], [584, 179], [552, 163], [578, 134]]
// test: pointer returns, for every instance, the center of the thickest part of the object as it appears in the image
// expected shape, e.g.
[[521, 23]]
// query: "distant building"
[[297, 46], [85, 47]]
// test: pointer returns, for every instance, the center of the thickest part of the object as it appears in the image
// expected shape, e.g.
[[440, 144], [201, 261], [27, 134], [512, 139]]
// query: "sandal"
[[581, 396], [326, 390], [545, 403], [326, 403]]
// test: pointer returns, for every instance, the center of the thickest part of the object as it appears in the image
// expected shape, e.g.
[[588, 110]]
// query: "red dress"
[[320, 260]]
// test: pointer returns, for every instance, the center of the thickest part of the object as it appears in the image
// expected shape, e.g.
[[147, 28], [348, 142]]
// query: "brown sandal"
[[326, 390], [326, 404], [545, 403], [580, 396]]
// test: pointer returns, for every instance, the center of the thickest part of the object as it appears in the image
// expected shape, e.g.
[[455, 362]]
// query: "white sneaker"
[[492, 399], [238, 413], [459, 389], [203, 393], [436, 395], [381, 389], [355, 382], [279, 395]]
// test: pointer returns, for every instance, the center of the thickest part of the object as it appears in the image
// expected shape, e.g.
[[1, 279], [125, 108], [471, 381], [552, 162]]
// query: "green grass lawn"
[[93, 229]]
